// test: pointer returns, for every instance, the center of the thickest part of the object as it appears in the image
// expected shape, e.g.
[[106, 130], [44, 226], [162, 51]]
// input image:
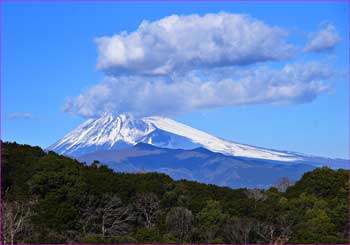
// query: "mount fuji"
[[120, 141], [116, 132]]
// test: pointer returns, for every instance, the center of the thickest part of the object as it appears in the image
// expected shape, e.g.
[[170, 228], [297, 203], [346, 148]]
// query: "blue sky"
[[49, 54]]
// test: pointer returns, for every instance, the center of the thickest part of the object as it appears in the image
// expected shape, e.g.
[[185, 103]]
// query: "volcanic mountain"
[[121, 142], [116, 132]]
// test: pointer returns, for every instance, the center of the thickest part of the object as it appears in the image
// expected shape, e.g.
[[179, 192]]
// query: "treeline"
[[48, 198]]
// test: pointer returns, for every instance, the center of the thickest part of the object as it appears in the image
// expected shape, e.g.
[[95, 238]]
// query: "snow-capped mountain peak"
[[120, 131]]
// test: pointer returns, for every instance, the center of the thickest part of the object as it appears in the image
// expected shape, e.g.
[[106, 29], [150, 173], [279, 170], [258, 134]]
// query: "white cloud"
[[19, 115], [178, 43], [164, 95], [324, 40], [183, 63]]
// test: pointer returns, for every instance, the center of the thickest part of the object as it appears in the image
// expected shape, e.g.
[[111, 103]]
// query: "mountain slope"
[[117, 132], [198, 164]]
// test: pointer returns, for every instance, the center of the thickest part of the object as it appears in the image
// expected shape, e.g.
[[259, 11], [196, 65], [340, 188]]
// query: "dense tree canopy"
[[50, 198]]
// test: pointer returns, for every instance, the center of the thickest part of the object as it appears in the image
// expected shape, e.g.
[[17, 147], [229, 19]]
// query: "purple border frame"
[[218, 1], [135, 1], [1, 121]]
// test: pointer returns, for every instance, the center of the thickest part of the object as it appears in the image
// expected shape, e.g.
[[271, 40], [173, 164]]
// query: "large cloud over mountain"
[[183, 63], [191, 42]]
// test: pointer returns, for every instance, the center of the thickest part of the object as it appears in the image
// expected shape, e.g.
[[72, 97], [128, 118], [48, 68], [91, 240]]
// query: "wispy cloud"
[[324, 40], [19, 115], [178, 43]]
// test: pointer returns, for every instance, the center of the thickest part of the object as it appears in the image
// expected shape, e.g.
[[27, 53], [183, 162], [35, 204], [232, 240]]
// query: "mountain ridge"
[[198, 164]]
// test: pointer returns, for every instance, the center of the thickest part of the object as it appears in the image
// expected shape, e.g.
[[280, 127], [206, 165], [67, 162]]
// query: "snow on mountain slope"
[[117, 132], [217, 144]]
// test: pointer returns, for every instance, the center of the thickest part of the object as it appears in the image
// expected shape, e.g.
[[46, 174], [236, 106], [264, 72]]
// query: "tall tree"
[[211, 217], [237, 230], [283, 184], [179, 221], [106, 216], [256, 195], [15, 216], [147, 205]]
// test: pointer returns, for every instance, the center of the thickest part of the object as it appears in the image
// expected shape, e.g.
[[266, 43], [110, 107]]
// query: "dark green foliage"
[[322, 182], [146, 235], [71, 202]]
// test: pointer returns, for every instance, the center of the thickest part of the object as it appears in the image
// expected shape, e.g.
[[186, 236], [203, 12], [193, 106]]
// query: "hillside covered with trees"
[[48, 198]]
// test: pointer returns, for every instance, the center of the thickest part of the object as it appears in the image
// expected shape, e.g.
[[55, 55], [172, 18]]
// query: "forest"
[[49, 198]]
